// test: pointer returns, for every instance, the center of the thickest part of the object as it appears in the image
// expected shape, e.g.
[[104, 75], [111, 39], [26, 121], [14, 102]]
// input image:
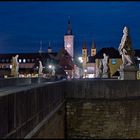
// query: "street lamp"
[[81, 66], [85, 72], [80, 59], [52, 67]]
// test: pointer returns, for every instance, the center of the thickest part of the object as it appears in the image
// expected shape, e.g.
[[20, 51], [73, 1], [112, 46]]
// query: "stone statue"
[[105, 63], [53, 71], [128, 69], [40, 68], [99, 70], [125, 49], [15, 66]]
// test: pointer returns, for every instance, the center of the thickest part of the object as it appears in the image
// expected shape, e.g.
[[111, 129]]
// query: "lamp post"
[[85, 73], [81, 66], [52, 67]]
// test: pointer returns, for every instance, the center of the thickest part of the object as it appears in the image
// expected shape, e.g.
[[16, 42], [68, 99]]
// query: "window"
[[7, 60], [3, 60], [19, 60], [10, 66], [24, 60], [113, 61], [28, 60]]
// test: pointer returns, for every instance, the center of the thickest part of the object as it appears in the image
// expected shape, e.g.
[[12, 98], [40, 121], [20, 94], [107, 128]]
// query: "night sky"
[[24, 24]]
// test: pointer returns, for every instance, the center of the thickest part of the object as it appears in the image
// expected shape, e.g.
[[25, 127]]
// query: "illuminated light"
[[19, 60], [50, 66], [90, 75], [80, 59], [10, 66], [24, 60], [68, 45], [85, 70]]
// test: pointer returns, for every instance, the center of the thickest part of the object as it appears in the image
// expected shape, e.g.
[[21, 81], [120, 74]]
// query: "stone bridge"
[[86, 108]]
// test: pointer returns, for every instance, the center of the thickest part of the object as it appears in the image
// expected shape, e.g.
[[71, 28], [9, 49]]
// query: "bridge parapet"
[[22, 110], [102, 89]]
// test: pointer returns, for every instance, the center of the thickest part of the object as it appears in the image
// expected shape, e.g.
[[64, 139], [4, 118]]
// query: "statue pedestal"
[[128, 73], [105, 75]]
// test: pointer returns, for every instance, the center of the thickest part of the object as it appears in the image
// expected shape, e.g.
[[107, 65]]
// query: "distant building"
[[93, 49], [29, 63], [137, 61], [84, 54], [49, 48], [65, 61], [69, 40], [115, 59], [89, 65]]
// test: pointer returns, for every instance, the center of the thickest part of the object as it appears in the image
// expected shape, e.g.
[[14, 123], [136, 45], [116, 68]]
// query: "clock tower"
[[69, 40]]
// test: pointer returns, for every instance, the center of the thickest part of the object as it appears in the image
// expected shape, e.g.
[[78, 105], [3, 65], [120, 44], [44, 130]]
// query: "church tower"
[[69, 40], [84, 54], [40, 50], [49, 48], [93, 49]]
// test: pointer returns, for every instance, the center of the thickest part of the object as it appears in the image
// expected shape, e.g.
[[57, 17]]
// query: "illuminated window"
[[19, 60], [10, 66], [24, 60], [113, 61]]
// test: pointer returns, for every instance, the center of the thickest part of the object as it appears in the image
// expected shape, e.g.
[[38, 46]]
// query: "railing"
[[21, 111]]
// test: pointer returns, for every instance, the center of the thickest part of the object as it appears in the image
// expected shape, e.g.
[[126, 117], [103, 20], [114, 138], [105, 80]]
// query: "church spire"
[[84, 46], [93, 46], [69, 27], [49, 48], [93, 49], [40, 50]]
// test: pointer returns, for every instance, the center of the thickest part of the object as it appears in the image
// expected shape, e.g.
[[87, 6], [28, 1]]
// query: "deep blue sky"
[[24, 24]]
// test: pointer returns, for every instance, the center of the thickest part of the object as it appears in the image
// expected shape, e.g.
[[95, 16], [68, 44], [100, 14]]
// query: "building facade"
[[88, 65], [29, 64]]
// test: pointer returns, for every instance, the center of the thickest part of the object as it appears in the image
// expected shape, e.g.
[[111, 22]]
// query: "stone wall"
[[54, 128], [102, 89], [103, 119]]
